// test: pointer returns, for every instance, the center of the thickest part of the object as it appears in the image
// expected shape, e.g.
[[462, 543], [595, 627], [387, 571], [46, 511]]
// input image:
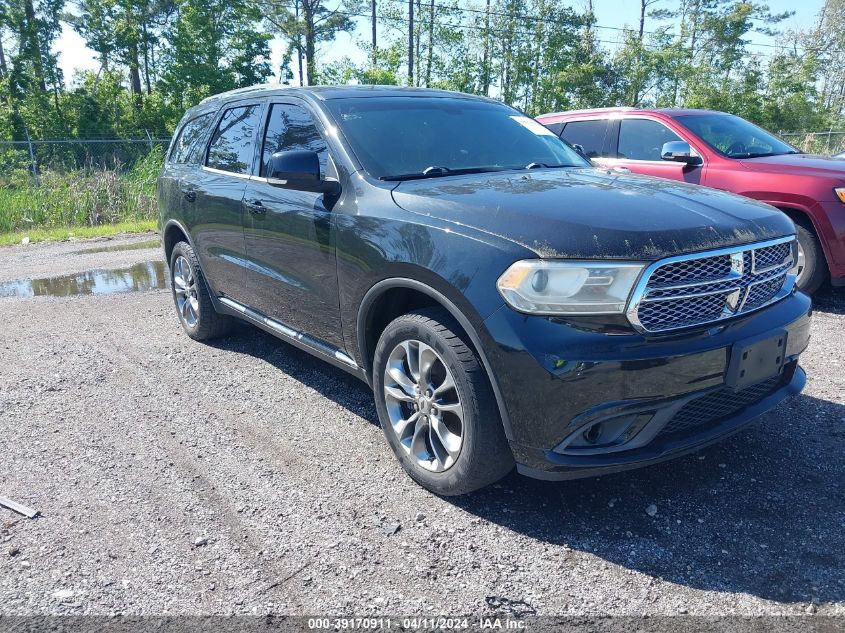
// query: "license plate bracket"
[[756, 360]]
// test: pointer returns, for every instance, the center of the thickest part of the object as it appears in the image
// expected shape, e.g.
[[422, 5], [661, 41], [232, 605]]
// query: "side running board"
[[288, 332]]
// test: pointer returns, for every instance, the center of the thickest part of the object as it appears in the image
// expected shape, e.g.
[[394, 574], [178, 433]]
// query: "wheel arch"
[[372, 320], [804, 219], [802, 216], [797, 214], [172, 234]]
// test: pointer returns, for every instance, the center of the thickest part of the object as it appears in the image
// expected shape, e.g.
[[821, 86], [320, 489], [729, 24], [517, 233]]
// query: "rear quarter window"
[[588, 134], [188, 146]]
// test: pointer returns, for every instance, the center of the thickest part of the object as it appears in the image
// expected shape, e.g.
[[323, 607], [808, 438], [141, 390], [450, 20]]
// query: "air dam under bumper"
[[647, 399]]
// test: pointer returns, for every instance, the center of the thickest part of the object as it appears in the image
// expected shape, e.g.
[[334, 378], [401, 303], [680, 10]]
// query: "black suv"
[[507, 302]]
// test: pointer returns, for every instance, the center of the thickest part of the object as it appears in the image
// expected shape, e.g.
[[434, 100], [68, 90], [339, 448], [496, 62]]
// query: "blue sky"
[[74, 55]]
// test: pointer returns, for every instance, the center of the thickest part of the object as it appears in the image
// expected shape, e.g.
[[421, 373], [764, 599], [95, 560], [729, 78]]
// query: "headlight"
[[840, 193], [574, 288]]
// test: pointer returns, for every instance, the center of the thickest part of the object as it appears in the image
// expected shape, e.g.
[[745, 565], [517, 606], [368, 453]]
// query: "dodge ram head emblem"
[[734, 299], [737, 264]]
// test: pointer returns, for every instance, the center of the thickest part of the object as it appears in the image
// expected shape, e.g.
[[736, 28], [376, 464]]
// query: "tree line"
[[157, 57]]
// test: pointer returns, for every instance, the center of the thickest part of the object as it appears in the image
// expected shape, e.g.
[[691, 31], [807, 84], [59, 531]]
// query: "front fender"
[[394, 244], [467, 318], [388, 248]]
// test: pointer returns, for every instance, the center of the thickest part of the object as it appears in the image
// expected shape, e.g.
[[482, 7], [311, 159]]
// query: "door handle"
[[190, 195], [255, 207], [620, 170]]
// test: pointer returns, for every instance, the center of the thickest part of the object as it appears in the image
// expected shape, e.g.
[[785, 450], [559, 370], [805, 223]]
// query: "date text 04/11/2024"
[[416, 624]]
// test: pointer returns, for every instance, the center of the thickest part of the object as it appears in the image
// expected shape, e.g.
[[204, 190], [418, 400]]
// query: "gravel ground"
[[246, 477]]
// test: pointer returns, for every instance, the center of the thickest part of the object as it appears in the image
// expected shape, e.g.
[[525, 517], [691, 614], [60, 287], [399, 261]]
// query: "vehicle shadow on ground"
[[830, 299], [329, 381], [761, 513]]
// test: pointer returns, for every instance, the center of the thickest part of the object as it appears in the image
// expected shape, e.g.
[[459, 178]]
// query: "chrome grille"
[[760, 293], [681, 312], [689, 270], [704, 288], [770, 256]]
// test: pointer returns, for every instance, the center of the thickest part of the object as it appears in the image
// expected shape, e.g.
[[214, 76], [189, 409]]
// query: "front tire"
[[811, 269], [191, 296], [436, 406]]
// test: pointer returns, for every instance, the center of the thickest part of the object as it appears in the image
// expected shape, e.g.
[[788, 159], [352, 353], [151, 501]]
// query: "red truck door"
[[636, 144]]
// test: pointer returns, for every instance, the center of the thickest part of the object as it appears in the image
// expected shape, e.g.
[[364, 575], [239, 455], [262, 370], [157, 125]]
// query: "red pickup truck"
[[724, 152]]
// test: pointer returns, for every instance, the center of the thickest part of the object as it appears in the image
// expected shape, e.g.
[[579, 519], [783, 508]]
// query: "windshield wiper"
[[545, 166], [762, 154], [436, 171]]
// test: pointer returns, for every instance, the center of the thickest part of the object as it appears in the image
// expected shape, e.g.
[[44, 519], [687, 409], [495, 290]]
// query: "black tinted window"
[[400, 137], [291, 127], [587, 134], [556, 127], [232, 144], [641, 139], [188, 145]]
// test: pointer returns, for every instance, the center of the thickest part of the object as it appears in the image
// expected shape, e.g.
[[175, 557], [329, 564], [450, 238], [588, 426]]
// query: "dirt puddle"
[[136, 246], [137, 278]]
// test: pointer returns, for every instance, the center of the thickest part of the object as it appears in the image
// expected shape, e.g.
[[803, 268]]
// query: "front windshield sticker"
[[531, 124]]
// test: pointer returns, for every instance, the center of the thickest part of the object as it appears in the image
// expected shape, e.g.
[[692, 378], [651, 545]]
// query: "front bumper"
[[668, 395]]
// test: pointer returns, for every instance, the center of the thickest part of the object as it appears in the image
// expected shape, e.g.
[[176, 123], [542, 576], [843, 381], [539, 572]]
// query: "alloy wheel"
[[423, 405], [185, 287], [800, 263]]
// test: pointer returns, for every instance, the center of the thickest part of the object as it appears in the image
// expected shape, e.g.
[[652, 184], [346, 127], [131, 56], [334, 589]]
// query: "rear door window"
[[291, 127], [643, 139], [233, 143], [588, 134]]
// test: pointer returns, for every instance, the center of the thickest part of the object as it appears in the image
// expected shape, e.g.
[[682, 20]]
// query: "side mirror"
[[583, 154], [679, 152], [300, 170], [580, 149]]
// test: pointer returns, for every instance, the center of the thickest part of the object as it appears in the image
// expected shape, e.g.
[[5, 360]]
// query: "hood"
[[588, 213], [798, 164]]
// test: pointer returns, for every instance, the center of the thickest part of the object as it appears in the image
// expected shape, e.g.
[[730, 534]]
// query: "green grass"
[[64, 233], [65, 202]]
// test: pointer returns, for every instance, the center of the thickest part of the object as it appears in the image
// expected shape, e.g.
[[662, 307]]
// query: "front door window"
[[290, 127], [642, 139]]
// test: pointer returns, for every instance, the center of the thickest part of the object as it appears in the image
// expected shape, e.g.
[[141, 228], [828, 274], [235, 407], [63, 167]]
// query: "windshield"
[[734, 137], [398, 138]]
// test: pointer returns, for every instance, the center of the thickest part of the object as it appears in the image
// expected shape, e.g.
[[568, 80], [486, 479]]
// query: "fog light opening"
[[593, 434], [609, 434]]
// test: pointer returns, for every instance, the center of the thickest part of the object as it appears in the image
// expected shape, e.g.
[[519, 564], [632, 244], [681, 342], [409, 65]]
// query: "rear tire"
[[436, 406], [192, 298], [813, 272]]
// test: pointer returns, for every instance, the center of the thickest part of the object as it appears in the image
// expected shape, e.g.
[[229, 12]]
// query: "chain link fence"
[[78, 182], [121, 155], [66, 155], [828, 143], [86, 182]]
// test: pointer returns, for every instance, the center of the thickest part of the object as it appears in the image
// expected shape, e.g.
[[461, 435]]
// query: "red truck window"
[[642, 139], [588, 134]]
